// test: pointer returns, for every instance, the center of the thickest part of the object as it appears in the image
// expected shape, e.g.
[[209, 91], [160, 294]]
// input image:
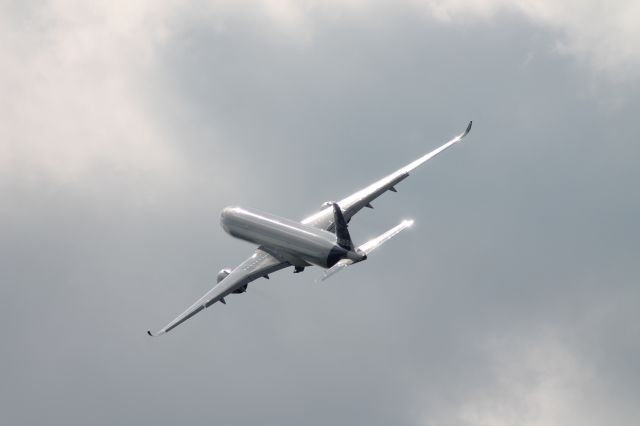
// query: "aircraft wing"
[[363, 198], [258, 265]]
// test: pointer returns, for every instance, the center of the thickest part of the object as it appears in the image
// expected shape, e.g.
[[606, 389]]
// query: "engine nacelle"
[[239, 290], [326, 204], [223, 274]]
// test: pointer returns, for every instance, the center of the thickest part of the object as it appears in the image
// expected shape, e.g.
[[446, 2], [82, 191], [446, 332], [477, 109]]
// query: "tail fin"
[[342, 230]]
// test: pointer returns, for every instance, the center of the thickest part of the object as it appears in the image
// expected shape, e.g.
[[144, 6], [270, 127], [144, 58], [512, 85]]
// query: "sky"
[[127, 126]]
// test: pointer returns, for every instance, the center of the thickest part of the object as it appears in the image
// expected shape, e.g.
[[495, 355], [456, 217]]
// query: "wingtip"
[[468, 129], [149, 333]]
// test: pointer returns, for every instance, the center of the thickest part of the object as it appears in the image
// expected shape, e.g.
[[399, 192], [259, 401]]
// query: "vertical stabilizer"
[[342, 230]]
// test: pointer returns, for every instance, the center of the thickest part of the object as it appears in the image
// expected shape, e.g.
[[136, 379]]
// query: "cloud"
[[513, 300], [73, 76], [604, 34], [540, 381]]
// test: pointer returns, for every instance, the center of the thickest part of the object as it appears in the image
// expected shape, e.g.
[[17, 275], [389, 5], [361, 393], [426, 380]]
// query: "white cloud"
[[536, 379], [606, 34], [70, 74], [540, 381], [71, 71]]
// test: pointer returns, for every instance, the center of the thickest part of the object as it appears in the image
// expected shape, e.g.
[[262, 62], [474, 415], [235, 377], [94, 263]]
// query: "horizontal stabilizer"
[[371, 245], [367, 248], [335, 269]]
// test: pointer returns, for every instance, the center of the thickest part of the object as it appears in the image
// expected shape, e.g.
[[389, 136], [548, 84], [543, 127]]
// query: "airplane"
[[321, 239]]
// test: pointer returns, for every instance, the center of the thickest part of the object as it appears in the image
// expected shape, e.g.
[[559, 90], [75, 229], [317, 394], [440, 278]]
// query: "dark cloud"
[[513, 300]]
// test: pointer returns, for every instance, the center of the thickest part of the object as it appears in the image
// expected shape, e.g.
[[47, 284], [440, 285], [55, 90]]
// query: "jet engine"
[[223, 274], [239, 290], [326, 204]]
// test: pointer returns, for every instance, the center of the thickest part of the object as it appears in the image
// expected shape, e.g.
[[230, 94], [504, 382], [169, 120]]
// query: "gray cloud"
[[513, 300]]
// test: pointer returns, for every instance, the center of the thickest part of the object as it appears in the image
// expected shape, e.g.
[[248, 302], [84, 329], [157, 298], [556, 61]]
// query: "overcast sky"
[[127, 126]]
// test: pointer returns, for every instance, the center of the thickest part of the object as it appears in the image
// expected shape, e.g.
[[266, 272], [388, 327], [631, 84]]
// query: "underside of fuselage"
[[300, 244]]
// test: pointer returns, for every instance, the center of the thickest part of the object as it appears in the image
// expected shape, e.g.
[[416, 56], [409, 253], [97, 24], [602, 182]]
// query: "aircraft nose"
[[224, 217], [226, 213]]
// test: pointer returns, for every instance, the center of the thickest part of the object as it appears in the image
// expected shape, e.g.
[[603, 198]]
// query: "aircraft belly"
[[310, 244]]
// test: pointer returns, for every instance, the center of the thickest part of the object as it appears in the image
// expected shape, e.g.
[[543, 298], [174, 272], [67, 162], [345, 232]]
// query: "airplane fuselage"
[[313, 245]]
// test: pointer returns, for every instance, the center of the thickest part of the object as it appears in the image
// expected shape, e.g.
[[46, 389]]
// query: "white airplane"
[[321, 239]]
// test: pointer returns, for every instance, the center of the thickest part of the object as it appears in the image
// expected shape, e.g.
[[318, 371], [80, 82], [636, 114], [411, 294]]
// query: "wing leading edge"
[[363, 198], [258, 265]]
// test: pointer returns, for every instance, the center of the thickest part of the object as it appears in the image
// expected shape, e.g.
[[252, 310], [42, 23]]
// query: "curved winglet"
[[466, 132]]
